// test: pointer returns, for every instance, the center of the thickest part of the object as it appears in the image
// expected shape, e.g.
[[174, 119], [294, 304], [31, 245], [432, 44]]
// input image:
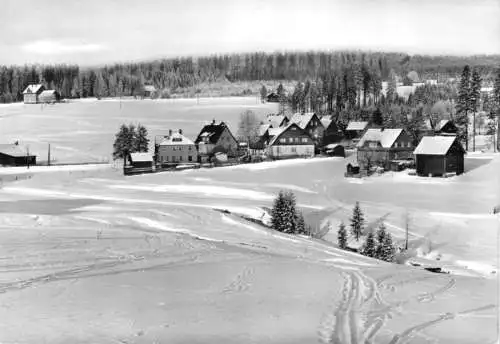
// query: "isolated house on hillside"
[[290, 142], [311, 124], [332, 133], [14, 155], [48, 96], [356, 129], [175, 148], [379, 147], [215, 138], [438, 155], [32, 92]]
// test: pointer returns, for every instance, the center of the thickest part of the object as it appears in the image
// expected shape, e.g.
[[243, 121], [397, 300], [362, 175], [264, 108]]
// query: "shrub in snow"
[[389, 250], [357, 221], [342, 236]]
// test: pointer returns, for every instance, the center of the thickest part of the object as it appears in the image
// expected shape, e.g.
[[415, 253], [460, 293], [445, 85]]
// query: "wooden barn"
[[32, 92], [291, 142], [48, 96], [439, 155], [379, 147], [138, 163], [13, 155]]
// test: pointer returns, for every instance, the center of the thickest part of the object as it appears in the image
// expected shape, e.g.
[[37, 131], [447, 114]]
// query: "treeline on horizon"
[[173, 74]]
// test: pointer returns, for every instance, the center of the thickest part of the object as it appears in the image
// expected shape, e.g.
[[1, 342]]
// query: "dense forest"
[[363, 71]]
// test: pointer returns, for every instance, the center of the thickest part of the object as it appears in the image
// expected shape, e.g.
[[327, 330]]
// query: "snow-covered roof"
[[12, 150], [333, 145], [176, 139], [441, 124], [275, 131], [263, 128], [386, 137], [302, 119], [33, 88], [326, 122], [276, 120], [281, 131], [47, 93], [354, 125], [434, 145], [141, 157]]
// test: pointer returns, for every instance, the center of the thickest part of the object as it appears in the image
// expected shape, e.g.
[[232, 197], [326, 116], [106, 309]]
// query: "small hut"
[[439, 155], [48, 96], [335, 149]]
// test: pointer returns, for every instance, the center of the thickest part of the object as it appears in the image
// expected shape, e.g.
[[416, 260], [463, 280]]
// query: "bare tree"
[[248, 127]]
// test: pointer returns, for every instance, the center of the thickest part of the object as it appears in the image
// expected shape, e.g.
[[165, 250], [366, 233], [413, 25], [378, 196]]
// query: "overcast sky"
[[104, 31]]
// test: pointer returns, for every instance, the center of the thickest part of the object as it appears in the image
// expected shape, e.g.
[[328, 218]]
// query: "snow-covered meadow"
[[96, 256]]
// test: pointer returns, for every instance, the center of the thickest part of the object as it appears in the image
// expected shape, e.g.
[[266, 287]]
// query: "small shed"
[[48, 96], [141, 160], [439, 155], [335, 149], [149, 91], [13, 155], [352, 168], [273, 98]]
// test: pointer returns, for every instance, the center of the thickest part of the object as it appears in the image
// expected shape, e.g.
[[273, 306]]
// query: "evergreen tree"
[[377, 117], [124, 142], [389, 250], [464, 106], [301, 225], [278, 213], [141, 140], [369, 247], [381, 234], [342, 236], [357, 221], [263, 93], [282, 98], [475, 95]]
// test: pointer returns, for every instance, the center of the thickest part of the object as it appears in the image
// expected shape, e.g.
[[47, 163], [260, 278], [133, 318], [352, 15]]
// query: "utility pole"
[[28, 157], [407, 227], [48, 157]]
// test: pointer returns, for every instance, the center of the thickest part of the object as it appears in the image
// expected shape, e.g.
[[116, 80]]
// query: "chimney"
[[213, 121], [170, 132], [180, 131]]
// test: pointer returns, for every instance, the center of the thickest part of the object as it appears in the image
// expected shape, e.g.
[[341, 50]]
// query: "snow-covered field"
[[84, 130], [88, 255], [93, 256]]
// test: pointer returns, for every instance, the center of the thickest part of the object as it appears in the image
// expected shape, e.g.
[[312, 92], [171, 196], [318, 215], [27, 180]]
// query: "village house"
[[48, 96], [214, 138], [381, 147], [356, 129], [290, 142], [32, 92], [439, 155], [262, 139], [332, 133], [311, 124], [14, 155], [174, 149]]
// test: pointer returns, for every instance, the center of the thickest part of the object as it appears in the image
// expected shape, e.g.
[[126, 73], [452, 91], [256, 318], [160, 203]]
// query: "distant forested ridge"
[[355, 70]]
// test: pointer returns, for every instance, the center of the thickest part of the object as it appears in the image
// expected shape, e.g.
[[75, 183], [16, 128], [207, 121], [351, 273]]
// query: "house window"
[[190, 158], [304, 140], [290, 139], [409, 144], [294, 149], [161, 158], [180, 158], [283, 140]]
